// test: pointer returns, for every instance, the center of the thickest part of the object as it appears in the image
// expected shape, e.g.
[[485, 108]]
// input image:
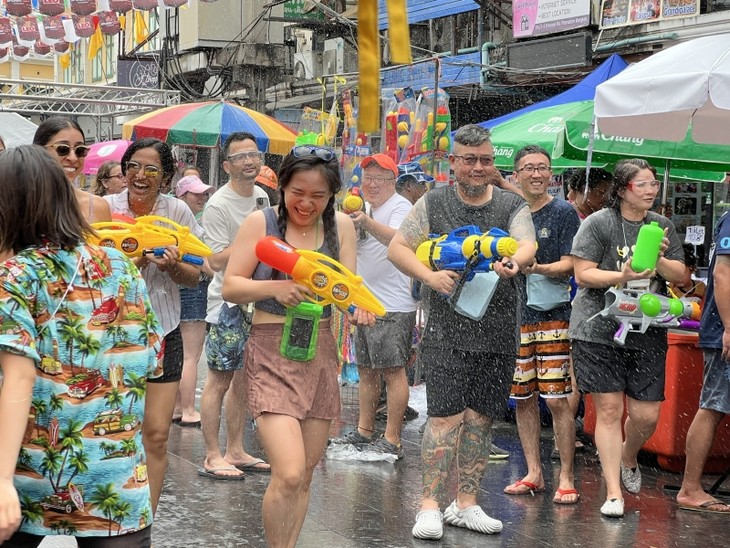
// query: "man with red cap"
[[382, 351]]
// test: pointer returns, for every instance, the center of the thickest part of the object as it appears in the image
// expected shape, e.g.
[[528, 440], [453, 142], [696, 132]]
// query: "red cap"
[[267, 177], [383, 160]]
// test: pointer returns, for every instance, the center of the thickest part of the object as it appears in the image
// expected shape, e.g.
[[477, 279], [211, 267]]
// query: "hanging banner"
[[60, 47], [120, 6], [83, 7], [144, 4], [28, 28], [84, 26], [174, 3], [40, 48], [19, 7], [20, 53], [109, 23], [538, 17], [53, 27], [51, 7], [622, 13], [6, 32]]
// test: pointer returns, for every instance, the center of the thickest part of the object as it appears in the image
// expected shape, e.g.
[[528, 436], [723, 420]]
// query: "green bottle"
[[648, 245]]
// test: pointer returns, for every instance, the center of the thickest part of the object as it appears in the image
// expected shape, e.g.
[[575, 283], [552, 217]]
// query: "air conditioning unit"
[[304, 38], [308, 65], [333, 57]]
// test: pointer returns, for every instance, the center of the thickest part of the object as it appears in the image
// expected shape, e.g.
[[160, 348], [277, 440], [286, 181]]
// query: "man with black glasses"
[[468, 363], [229, 324]]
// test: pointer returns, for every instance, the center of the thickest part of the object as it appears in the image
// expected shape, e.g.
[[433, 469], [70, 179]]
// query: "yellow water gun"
[[325, 277], [145, 236]]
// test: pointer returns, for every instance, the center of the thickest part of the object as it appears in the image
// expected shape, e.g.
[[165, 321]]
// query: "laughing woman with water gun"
[[148, 166], [291, 358]]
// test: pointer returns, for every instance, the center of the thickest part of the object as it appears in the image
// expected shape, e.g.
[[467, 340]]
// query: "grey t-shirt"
[[607, 239]]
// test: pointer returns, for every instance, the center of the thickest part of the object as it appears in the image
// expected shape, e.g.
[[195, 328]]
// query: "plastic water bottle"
[[648, 245]]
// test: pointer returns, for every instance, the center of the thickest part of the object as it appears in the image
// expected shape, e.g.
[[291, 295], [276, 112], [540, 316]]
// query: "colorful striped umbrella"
[[209, 124]]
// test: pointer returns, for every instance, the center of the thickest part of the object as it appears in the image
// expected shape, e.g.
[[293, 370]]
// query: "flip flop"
[[560, 493], [191, 424], [212, 473], [531, 488], [707, 507], [254, 466]]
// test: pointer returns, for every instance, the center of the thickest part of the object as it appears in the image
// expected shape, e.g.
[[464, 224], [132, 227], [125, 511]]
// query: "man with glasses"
[[229, 325], [468, 363], [543, 365], [382, 351]]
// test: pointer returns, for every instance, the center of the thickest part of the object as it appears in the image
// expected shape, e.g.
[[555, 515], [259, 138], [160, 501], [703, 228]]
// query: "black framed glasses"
[[245, 156], [530, 169], [148, 171], [64, 150], [322, 153], [471, 159]]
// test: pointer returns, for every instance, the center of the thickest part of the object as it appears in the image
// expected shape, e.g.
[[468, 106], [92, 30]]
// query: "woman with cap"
[[193, 303]]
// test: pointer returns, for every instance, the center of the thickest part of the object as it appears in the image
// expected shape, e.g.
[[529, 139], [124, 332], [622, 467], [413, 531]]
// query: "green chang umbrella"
[[540, 127], [685, 159]]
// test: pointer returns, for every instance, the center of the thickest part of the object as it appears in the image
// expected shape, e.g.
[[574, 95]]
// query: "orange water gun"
[[332, 282], [143, 236]]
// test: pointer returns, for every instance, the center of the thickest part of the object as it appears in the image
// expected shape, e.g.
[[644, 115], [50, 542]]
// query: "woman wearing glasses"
[[602, 252], [293, 402], [148, 166], [64, 140], [109, 179]]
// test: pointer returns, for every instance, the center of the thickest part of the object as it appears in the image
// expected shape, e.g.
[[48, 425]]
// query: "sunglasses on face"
[[241, 156], [322, 153], [148, 171], [64, 150]]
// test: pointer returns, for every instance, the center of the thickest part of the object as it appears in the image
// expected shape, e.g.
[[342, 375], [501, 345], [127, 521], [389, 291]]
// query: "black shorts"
[[601, 368], [138, 539], [172, 361], [456, 379]]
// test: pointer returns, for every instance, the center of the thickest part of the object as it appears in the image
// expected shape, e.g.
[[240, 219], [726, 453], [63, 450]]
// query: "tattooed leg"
[[472, 456], [437, 452]]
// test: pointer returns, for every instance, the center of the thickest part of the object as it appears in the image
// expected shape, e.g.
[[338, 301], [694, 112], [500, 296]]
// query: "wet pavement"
[[363, 505]]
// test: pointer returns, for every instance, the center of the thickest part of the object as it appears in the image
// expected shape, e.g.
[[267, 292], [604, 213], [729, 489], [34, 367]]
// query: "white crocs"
[[613, 508], [473, 518], [429, 525]]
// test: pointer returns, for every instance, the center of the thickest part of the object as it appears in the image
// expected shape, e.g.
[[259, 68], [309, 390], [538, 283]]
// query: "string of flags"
[[44, 27]]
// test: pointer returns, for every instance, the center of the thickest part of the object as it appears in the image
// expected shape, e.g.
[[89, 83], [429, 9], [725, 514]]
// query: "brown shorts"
[[275, 384]]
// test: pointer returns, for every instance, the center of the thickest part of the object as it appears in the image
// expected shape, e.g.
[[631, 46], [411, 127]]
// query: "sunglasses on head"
[[322, 153], [64, 150]]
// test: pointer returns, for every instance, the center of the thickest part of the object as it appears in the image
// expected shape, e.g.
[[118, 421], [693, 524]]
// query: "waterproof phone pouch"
[[545, 293], [301, 328], [475, 295]]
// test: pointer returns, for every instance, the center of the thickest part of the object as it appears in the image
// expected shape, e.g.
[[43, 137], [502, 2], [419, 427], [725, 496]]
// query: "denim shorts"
[[193, 302], [715, 382], [226, 339]]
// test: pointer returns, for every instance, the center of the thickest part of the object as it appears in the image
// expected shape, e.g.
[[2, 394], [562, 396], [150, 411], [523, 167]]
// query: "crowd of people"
[[103, 348]]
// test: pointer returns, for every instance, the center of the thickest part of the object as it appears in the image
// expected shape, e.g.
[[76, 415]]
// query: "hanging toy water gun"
[[391, 135], [636, 311], [332, 282], [453, 251], [142, 236]]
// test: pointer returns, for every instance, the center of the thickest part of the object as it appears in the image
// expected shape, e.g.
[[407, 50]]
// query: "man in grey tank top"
[[469, 363]]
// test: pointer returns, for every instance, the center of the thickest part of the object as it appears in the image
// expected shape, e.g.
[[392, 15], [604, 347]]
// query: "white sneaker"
[[472, 518], [429, 525], [613, 508]]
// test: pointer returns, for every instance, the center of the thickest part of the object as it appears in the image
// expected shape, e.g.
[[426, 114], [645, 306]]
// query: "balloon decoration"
[[42, 27]]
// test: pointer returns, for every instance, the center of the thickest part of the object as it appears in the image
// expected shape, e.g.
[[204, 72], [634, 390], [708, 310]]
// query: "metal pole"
[[434, 137]]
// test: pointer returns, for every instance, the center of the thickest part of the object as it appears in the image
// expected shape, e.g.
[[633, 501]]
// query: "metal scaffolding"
[[102, 103]]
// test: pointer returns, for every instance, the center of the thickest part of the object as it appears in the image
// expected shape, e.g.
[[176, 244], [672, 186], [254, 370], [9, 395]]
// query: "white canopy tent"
[[16, 130]]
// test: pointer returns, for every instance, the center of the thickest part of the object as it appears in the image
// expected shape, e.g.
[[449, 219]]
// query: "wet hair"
[[623, 173], [102, 174], [472, 135], [330, 170], [37, 205], [531, 149], [50, 127], [237, 136], [577, 180], [163, 149]]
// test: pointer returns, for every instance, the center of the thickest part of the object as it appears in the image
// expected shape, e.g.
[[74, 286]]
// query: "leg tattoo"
[[473, 454], [437, 452]]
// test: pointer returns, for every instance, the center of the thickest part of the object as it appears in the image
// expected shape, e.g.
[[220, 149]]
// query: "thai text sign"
[[536, 17]]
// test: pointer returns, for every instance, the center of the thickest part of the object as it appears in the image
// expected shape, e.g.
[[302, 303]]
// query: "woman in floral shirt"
[[77, 343]]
